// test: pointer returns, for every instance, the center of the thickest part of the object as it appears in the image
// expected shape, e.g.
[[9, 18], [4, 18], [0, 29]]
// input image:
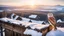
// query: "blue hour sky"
[[29, 2]]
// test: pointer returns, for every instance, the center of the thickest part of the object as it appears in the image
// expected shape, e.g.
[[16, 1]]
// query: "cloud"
[[60, 0], [4, 1], [43, 2]]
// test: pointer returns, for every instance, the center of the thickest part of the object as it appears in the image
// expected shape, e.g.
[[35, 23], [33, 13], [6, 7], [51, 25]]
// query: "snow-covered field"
[[61, 28], [58, 32]]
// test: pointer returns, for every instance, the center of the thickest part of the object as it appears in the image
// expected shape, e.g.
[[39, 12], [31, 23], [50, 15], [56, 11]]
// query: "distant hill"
[[55, 8]]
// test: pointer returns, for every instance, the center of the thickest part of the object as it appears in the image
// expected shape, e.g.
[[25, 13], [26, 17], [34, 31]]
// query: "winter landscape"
[[31, 17]]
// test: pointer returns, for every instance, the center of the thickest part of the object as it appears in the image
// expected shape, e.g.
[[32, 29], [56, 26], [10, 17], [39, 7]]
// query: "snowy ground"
[[58, 32], [61, 28]]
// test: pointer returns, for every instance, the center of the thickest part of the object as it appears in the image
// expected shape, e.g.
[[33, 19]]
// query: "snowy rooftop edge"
[[26, 24]]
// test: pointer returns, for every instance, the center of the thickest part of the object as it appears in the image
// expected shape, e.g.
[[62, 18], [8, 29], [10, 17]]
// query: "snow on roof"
[[55, 33], [32, 32], [26, 24], [23, 23], [14, 21], [32, 16], [39, 26], [4, 19], [12, 15], [1, 10], [59, 20], [39, 22], [25, 19], [10, 20], [29, 24], [16, 17]]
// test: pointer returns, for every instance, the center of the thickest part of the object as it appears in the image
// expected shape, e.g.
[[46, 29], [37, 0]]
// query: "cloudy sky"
[[31, 2]]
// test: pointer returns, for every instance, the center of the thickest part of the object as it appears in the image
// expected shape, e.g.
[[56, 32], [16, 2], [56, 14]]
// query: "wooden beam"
[[14, 28]]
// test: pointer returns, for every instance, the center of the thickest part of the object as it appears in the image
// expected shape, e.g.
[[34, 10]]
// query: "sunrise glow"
[[32, 3]]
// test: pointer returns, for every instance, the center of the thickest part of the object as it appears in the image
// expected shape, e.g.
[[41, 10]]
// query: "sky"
[[31, 2]]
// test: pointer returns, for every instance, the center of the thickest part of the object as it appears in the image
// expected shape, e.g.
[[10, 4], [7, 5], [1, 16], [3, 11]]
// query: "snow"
[[12, 16], [14, 21], [59, 20], [39, 22], [58, 32], [16, 17], [32, 16], [33, 21], [25, 19], [61, 28], [30, 24], [38, 26], [32, 32], [10, 20], [34, 25], [1, 10], [4, 19], [26, 24], [55, 33]]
